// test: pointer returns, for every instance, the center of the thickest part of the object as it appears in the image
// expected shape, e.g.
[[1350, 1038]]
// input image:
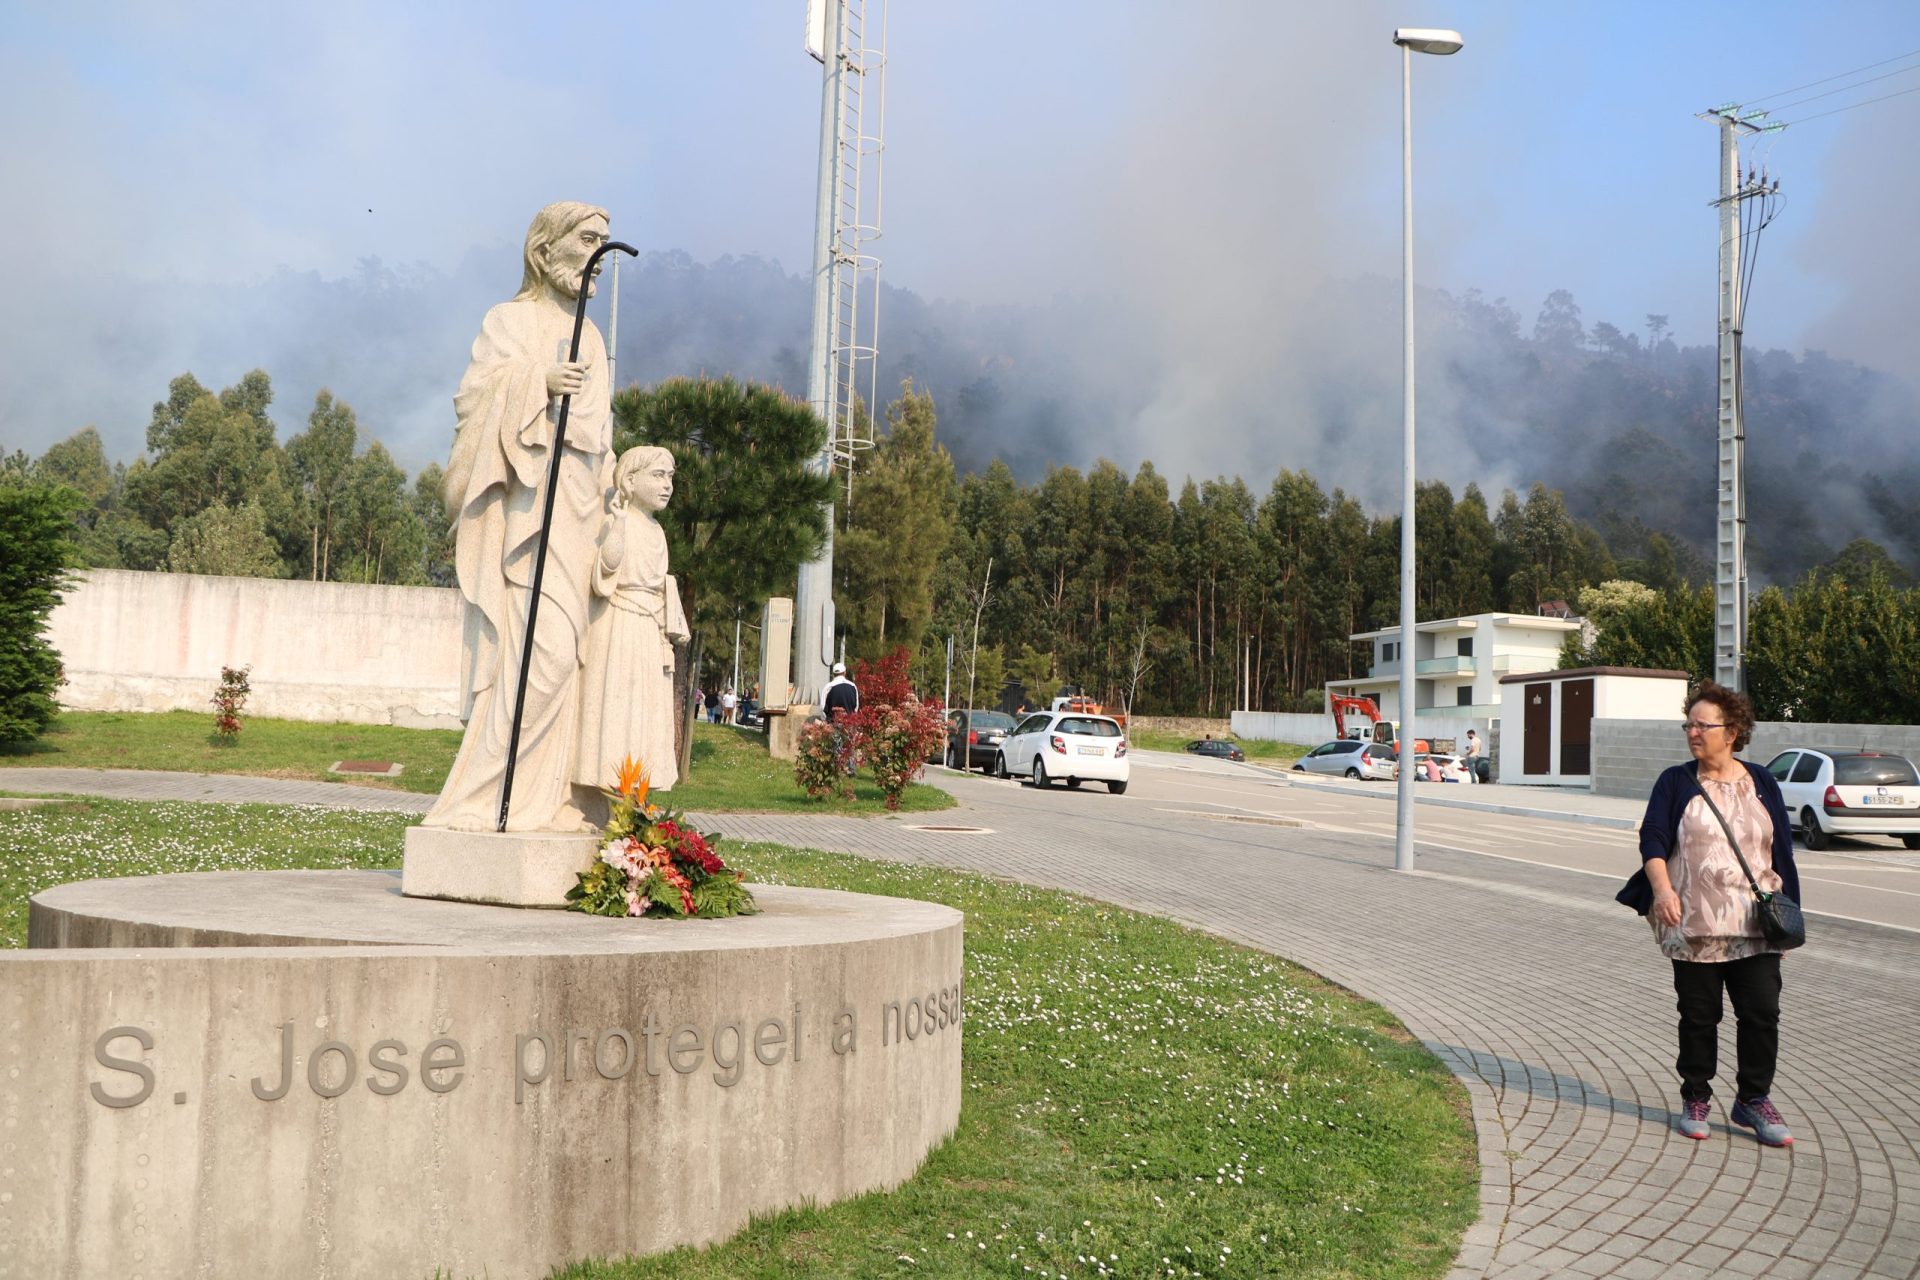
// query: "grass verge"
[[266, 748], [1273, 752], [88, 839], [732, 771], [1140, 1098]]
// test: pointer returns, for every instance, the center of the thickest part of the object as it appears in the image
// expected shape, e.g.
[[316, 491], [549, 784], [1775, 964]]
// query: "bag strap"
[[1735, 843]]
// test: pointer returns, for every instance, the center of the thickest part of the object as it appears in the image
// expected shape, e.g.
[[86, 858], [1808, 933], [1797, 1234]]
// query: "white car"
[[1849, 793], [1066, 746]]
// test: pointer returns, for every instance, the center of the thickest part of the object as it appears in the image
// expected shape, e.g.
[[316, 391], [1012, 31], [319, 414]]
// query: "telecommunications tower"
[[842, 370]]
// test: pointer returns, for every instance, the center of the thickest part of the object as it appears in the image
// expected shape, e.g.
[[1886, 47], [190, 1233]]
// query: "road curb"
[[1448, 802]]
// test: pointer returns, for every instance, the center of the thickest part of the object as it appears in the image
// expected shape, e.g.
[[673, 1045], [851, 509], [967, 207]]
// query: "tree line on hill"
[[1196, 601], [217, 492]]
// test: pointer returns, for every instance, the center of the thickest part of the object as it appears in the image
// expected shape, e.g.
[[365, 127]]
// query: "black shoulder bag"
[[1780, 920]]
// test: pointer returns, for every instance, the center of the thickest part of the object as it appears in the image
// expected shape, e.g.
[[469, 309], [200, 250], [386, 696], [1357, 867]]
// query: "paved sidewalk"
[[216, 788], [1545, 998], [1551, 1004]]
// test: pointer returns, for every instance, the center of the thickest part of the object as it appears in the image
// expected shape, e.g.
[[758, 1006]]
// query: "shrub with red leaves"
[[893, 732]]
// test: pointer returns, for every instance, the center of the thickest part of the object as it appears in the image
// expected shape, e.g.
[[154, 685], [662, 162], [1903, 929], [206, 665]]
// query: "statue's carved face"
[[566, 257], [650, 488]]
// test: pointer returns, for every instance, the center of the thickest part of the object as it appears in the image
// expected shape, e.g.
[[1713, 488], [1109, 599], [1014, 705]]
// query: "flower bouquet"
[[651, 864]]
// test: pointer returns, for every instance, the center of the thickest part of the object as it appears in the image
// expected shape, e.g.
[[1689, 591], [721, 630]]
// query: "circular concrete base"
[[308, 1074], [366, 908]]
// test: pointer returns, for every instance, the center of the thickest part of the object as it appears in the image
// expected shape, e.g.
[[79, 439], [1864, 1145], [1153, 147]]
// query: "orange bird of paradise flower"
[[632, 781]]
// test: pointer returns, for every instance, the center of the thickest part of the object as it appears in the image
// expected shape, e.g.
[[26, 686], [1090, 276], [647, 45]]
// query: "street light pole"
[[1411, 40]]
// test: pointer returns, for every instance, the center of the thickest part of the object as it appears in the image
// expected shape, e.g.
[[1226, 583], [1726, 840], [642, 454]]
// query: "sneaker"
[[1761, 1116], [1693, 1121]]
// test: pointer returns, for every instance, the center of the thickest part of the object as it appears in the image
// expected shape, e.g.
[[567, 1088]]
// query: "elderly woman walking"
[[1695, 894]]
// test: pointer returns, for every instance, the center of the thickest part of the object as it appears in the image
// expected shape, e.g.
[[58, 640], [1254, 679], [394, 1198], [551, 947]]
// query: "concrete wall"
[[1629, 754], [1283, 726], [319, 650]]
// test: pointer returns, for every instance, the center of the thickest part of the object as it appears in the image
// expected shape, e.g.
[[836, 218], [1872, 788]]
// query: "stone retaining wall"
[[1628, 755], [1184, 726]]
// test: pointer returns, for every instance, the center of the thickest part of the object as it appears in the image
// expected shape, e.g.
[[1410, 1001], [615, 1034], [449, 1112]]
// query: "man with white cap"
[[842, 696]]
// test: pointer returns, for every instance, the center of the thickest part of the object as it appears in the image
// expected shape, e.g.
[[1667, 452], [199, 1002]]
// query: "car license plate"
[[1093, 751]]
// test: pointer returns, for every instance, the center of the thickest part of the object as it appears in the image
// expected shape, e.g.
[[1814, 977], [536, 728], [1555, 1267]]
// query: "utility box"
[[776, 653]]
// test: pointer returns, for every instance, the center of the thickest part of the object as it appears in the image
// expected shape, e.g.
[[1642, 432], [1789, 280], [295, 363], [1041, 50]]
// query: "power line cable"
[[1845, 88], [1849, 107], [1830, 79]]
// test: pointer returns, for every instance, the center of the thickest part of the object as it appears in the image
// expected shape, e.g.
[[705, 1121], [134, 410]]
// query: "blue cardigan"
[[1661, 828]]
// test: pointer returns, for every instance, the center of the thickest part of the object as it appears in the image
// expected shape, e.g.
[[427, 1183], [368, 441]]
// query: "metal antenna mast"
[[857, 209], [846, 286], [1730, 573]]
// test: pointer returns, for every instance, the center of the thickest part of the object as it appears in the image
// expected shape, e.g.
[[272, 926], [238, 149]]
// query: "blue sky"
[[1195, 170]]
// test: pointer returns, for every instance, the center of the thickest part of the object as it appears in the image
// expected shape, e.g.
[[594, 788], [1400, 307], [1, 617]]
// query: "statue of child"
[[626, 688]]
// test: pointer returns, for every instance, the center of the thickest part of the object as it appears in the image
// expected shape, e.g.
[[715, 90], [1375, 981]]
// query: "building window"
[[1386, 651], [1466, 695], [1466, 647]]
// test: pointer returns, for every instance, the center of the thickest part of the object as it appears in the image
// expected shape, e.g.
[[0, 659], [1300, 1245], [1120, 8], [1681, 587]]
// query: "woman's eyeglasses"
[[1688, 726]]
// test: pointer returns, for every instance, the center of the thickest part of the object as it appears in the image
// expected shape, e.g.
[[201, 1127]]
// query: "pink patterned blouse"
[[1717, 917]]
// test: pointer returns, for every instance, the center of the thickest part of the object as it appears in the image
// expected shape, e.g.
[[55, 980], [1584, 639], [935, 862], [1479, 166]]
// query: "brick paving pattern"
[[1551, 1003], [1547, 1000]]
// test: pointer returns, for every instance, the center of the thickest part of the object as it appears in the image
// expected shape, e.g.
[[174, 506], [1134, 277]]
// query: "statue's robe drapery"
[[495, 490], [626, 688]]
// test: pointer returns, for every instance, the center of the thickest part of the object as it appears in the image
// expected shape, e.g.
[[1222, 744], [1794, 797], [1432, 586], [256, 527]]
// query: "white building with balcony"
[[1458, 663]]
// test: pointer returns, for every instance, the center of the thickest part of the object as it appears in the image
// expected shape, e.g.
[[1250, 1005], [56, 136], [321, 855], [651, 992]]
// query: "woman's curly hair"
[[1736, 709]]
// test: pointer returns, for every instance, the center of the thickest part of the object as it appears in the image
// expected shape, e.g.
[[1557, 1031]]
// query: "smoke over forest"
[[1607, 409]]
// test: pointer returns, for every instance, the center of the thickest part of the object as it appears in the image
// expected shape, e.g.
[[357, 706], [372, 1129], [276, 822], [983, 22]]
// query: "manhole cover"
[[1256, 819], [970, 831]]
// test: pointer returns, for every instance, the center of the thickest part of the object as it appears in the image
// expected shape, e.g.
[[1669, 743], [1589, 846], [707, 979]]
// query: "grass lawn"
[[731, 768], [1140, 1098], [266, 748], [1272, 752], [732, 773]]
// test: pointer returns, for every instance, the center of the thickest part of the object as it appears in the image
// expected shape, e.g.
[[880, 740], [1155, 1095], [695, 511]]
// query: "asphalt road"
[[1874, 880]]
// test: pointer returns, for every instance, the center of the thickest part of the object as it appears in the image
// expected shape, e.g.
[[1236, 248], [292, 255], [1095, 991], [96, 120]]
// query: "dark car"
[[974, 737], [1216, 748]]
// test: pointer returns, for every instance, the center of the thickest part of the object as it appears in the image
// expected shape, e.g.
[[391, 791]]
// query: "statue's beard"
[[569, 287]]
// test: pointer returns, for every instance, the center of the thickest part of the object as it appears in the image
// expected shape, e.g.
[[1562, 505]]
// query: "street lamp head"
[[1428, 39]]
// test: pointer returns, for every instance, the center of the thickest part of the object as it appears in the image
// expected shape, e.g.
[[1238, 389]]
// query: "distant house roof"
[[1471, 622], [1637, 673]]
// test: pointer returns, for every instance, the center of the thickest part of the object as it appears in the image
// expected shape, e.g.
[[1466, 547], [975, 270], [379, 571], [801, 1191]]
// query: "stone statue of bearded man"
[[508, 405]]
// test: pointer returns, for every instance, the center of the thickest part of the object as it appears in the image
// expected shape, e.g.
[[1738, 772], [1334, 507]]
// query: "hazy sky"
[[1195, 172]]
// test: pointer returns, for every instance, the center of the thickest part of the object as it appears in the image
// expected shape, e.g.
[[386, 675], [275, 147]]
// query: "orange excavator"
[[1383, 730], [1087, 706]]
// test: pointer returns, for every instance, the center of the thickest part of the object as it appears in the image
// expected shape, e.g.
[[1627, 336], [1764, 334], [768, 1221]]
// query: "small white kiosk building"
[[1546, 718]]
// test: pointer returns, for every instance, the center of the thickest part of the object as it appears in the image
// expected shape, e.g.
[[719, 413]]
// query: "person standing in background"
[[842, 696]]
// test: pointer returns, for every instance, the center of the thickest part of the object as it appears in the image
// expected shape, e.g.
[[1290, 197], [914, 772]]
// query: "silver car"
[[1349, 758]]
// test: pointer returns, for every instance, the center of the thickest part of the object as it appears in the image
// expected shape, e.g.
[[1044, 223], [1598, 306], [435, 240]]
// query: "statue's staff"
[[546, 525]]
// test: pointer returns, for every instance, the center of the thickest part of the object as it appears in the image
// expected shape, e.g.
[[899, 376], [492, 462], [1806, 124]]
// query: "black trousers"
[[1753, 984]]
